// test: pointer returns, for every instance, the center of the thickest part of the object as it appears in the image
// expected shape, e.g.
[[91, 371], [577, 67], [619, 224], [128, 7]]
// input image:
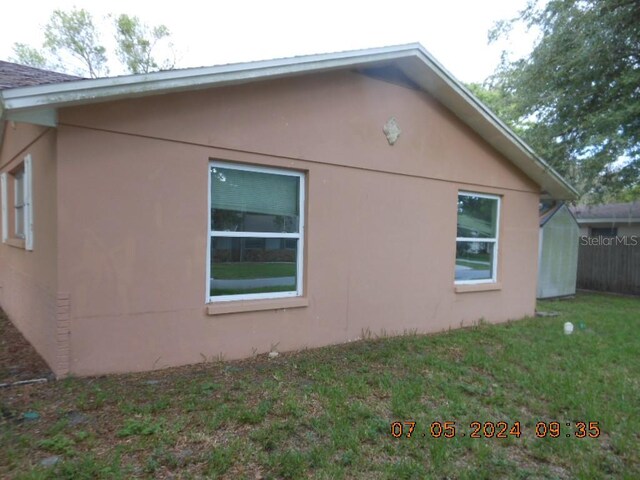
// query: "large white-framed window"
[[477, 238], [17, 210], [256, 232]]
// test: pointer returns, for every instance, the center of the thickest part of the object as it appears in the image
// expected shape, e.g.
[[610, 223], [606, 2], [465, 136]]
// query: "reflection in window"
[[477, 238], [256, 232], [252, 265]]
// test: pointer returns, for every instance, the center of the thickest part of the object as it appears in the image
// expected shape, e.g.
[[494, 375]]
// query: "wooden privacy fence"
[[610, 266]]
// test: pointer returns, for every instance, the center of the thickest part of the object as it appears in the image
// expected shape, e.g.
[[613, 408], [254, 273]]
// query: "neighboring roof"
[[40, 103], [608, 213], [13, 75], [548, 214]]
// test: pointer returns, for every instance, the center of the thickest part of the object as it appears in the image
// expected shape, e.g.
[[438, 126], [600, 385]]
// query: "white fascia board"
[[102, 89]]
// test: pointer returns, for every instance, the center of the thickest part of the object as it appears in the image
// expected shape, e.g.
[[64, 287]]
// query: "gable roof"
[[14, 75], [548, 214], [608, 213], [39, 104]]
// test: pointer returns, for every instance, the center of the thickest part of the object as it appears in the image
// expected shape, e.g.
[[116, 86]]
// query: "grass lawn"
[[327, 413], [235, 271], [474, 265]]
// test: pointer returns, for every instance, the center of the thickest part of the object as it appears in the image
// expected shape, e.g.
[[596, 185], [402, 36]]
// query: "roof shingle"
[[13, 75], [621, 211]]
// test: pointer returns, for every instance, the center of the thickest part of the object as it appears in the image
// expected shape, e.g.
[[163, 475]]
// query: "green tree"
[[30, 56], [73, 44], [576, 98], [136, 43], [73, 33]]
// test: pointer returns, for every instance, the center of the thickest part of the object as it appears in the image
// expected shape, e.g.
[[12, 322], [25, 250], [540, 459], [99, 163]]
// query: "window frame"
[[12, 207], [299, 236], [495, 240]]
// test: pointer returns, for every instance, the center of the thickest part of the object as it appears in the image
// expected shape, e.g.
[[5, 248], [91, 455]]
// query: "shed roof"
[[39, 103], [548, 214]]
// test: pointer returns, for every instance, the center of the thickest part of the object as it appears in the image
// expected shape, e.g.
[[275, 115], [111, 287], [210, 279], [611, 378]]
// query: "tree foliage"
[[73, 44], [576, 98], [30, 56], [74, 33], [136, 42]]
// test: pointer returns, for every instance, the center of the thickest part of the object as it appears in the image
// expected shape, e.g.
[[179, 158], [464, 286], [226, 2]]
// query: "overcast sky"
[[214, 32]]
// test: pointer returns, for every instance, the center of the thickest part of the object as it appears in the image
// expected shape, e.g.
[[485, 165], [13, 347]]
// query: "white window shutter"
[[28, 208], [5, 211]]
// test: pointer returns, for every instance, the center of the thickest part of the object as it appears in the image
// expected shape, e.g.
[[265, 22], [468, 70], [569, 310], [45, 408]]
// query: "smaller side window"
[[477, 238], [17, 213]]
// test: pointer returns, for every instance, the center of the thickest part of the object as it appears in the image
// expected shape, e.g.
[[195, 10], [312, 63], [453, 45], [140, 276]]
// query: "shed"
[[558, 254]]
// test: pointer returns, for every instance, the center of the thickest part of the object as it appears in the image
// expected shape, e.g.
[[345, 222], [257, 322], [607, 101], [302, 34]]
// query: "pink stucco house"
[[153, 220]]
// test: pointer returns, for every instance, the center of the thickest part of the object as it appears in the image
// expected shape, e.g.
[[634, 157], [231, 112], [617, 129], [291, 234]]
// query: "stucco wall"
[[28, 279], [381, 220]]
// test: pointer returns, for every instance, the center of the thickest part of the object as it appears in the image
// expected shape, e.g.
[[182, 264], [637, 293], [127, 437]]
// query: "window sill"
[[240, 306], [15, 242], [477, 287]]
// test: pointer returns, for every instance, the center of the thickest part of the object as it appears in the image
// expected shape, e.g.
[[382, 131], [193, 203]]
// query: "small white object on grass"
[[568, 328], [273, 354]]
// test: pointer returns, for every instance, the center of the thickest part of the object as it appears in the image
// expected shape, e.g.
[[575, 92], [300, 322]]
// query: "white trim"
[[476, 239], [102, 89], [207, 283], [479, 195], [301, 206], [255, 168], [228, 233], [252, 296], [28, 203], [495, 241], [5, 210], [299, 235]]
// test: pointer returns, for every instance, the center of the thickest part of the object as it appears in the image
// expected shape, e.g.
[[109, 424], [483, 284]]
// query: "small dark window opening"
[[604, 232]]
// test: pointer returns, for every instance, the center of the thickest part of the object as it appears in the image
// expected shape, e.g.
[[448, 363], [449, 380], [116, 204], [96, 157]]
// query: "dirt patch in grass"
[[18, 359]]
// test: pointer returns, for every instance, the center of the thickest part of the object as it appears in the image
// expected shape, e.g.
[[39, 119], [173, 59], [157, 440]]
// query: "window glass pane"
[[19, 188], [246, 201], [20, 222], [253, 265], [477, 216], [474, 260]]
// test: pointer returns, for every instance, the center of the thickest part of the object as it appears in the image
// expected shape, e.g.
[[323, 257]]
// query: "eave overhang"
[[39, 104]]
